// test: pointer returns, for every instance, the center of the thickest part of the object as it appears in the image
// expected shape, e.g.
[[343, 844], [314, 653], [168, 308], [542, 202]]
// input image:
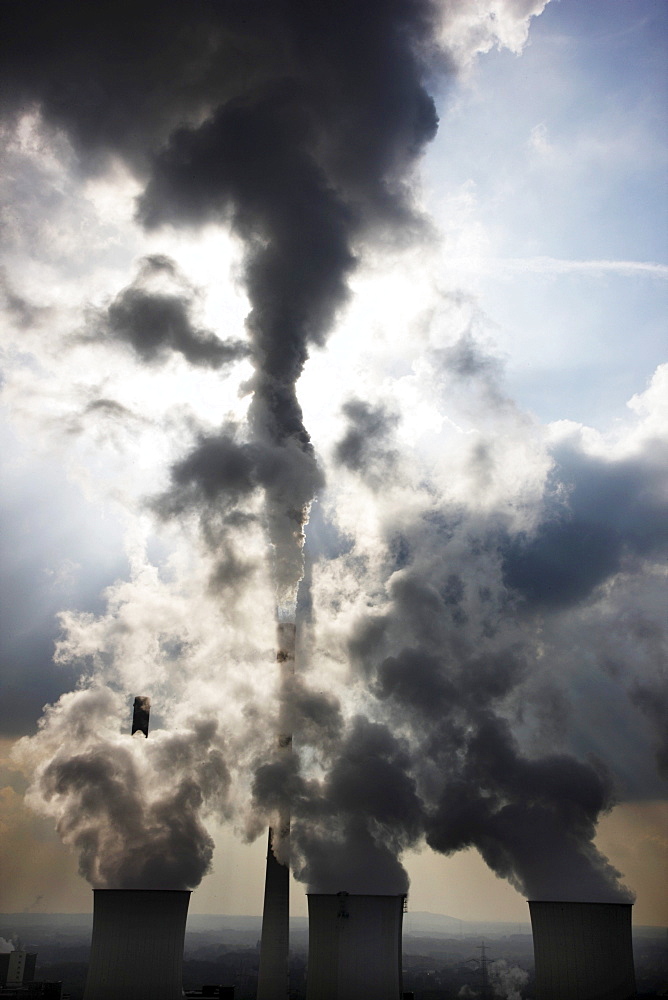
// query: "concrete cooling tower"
[[583, 951], [137, 947], [354, 947]]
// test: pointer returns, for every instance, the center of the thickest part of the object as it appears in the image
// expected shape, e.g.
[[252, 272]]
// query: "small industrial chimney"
[[140, 714], [583, 951], [354, 947], [137, 947], [273, 974]]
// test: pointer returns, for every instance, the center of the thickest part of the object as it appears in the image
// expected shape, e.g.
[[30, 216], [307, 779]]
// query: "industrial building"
[[582, 950], [17, 967], [17, 978]]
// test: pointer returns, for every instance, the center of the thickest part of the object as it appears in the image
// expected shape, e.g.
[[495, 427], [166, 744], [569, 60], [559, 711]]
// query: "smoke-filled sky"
[[367, 296]]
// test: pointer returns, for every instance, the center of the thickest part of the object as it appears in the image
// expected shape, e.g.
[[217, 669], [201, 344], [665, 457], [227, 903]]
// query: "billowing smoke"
[[131, 807], [298, 125], [431, 679], [303, 166], [448, 652], [153, 316], [353, 825], [507, 980], [533, 821]]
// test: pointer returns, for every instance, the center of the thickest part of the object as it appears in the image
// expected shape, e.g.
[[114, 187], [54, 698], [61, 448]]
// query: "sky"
[[272, 338]]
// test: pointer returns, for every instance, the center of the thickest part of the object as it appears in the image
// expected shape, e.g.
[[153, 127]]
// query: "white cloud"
[[473, 28], [500, 266]]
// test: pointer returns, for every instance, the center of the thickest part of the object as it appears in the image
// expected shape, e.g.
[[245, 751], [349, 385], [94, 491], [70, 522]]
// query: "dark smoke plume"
[[297, 124], [132, 809], [153, 316], [533, 821], [350, 828], [281, 164], [613, 512]]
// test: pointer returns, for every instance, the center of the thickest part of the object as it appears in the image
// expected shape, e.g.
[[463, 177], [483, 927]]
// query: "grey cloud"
[[468, 360], [109, 407], [24, 313], [533, 821], [468, 371], [119, 82], [298, 124], [220, 476], [156, 323], [416, 680], [365, 447], [368, 811], [460, 667], [347, 857], [650, 695], [231, 570], [314, 715], [281, 165], [249, 161], [350, 828], [612, 510], [218, 471]]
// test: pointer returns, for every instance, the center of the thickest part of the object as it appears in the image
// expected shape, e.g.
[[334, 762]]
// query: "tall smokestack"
[[272, 983], [137, 947], [275, 944], [140, 715], [583, 951], [354, 947]]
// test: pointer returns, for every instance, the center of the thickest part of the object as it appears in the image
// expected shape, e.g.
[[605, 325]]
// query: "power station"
[[582, 950]]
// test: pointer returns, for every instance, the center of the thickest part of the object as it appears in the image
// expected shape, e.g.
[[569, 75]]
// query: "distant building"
[[17, 967]]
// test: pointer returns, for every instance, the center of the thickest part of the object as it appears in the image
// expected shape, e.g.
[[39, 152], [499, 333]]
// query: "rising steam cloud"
[[130, 807], [298, 126]]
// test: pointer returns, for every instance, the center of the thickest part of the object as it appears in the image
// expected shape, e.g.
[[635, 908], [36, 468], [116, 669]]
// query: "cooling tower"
[[583, 951], [137, 947], [354, 947]]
